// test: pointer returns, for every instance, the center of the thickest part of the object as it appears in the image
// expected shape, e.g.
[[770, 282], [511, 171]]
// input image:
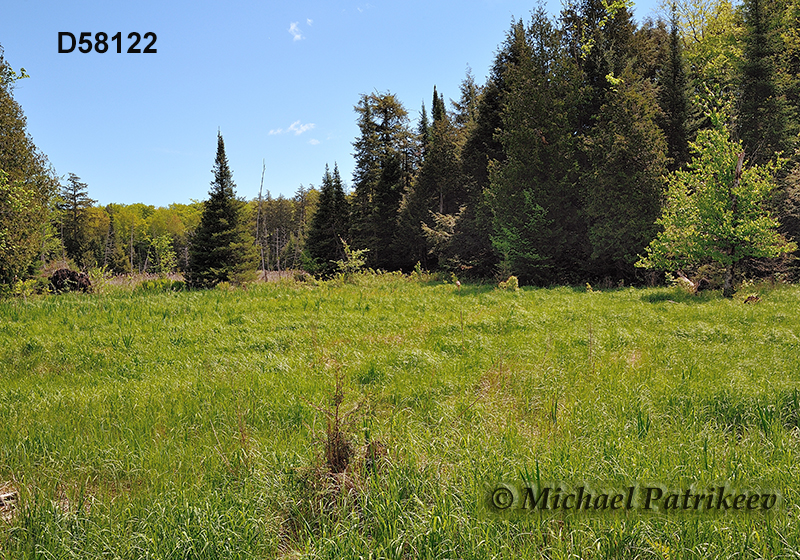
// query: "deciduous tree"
[[716, 210]]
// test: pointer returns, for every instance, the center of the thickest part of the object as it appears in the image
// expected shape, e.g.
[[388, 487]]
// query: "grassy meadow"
[[157, 424]]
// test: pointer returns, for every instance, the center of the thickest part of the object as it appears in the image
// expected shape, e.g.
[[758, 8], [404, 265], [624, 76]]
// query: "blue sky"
[[279, 80]]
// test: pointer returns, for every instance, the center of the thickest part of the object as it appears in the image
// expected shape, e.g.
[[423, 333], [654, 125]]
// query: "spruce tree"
[[674, 99], [538, 229], [329, 225], [222, 248], [762, 118], [436, 190], [626, 154], [483, 127]]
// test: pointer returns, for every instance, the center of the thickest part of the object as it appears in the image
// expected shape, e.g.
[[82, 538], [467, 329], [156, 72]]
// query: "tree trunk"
[[727, 286]]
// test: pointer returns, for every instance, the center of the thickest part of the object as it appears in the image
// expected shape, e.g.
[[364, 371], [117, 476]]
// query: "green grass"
[[138, 424]]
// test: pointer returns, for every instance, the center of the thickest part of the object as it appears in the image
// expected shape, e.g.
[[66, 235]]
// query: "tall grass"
[[193, 424]]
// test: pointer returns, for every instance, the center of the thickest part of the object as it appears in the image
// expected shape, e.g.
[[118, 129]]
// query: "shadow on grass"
[[676, 295], [472, 289]]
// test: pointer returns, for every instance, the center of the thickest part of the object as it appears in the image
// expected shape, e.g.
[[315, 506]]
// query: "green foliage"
[[626, 154], [438, 188], [716, 209], [533, 195], [74, 208], [222, 248], [165, 259], [761, 117], [329, 225], [159, 285], [382, 174], [511, 284], [21, 228], [353, 262], [674, 98], [27, 186]]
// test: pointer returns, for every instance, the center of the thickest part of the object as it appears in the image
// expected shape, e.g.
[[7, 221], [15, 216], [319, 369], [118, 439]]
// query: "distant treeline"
[[554, 169]]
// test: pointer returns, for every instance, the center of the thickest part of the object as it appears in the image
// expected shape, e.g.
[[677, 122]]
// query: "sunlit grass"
[[191, 424]]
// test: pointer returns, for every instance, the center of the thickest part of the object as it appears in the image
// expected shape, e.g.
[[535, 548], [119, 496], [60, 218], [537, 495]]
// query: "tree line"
[[561, 168], [556, 169]]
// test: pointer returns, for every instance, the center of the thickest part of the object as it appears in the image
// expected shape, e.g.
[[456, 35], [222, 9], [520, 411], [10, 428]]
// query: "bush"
[[512, 284], [160, 285]]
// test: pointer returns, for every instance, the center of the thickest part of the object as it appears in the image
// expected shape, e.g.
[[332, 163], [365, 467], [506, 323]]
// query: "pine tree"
[[73, 207], [222, 248], [382, 174], [329, 225]]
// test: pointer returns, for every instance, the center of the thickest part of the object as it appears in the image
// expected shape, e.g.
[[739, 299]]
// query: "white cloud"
[[295, 31], [295, 127], [313, 141], [309, 22], [298, 128]]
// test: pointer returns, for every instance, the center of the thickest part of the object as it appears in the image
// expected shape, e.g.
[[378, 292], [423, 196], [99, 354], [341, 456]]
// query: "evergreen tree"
[[423, 133], [473, 229], [761, 117], [538, 230], [599, 35], [382, 174], [465, 112], [222, 248], [436, 189], [114, 255], [788, 66], [674, 99], [329, 225], [73, 211], [29, 187], [626, 154]]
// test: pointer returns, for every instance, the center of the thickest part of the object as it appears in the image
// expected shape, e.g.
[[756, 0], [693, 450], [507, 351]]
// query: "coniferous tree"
[[382, 174], [538, 230], [73, 211], [473, 230], [438, 188], [599, 35], [114, 254], [627, 160], [423, 133], [222, 248], [329, 225], [29, 187], [761, 117], [674, 99]]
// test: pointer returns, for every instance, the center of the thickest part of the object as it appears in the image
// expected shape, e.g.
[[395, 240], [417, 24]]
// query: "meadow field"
[[374, 419]]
